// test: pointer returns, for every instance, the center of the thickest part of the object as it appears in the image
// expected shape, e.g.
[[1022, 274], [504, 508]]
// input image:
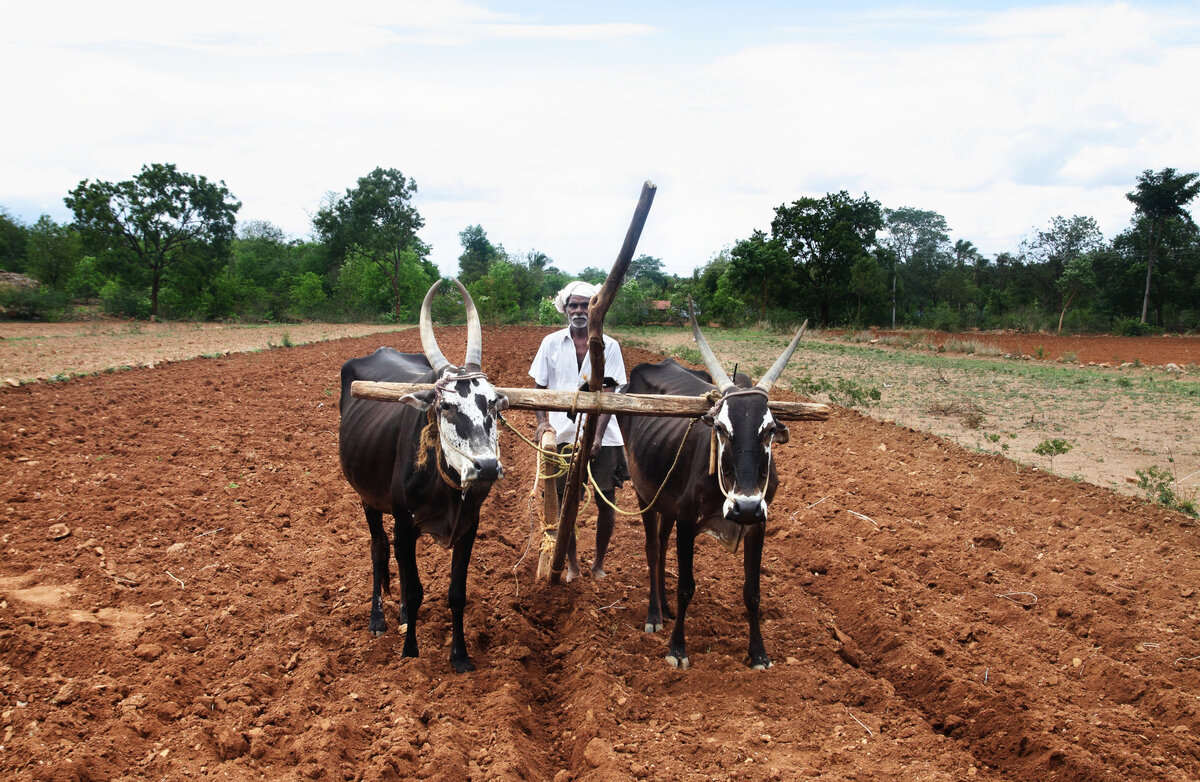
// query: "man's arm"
[[543, 421]]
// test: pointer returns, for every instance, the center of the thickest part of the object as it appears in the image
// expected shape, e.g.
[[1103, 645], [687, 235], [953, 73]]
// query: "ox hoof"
[[679, 662], [378, 633], [653, 627], [762, 666], [462, 666]]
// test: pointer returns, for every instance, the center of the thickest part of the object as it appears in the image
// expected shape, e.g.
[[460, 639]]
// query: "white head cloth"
[[577, 288]]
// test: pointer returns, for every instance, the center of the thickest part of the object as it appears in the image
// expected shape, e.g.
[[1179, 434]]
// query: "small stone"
[[1076, 662], [148, 652], [67, 694], [597, 752], [58, 531], [230, 743]]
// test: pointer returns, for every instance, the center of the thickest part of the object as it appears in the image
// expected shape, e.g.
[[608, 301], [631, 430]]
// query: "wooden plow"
[[591, 401]]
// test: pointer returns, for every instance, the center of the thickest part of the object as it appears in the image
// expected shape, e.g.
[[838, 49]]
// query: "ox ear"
[[501, 402], [419, 399], [781, 434]]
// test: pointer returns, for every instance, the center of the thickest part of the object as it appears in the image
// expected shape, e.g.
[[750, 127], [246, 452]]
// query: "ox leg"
[[380, 575], [685, 546], [606, 520], [752, 562], [654, 615], [664, 540], [459, 659], [412, 594]]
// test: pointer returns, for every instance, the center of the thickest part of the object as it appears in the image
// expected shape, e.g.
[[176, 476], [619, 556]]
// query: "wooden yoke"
[[597, 309]]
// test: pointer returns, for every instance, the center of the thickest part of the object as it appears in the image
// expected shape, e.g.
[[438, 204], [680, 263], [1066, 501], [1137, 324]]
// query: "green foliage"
[[688, 354], [307, 296], [841, 391], [1160, 200], [478, 255], [86, 279], [117, 298], [495, 294], [52, 250], [1157, 483], [35, 303], [160, 220], [631, 307], [1132, 327], [1050, 448], [377, 220], [547, 315], [824, 237], [13, 240]]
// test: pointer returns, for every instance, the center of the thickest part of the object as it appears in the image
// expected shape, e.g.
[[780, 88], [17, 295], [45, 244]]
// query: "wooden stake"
[[597, 309]]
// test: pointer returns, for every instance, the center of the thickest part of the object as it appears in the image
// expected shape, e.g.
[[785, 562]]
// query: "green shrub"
[[40, 303], [119, 299], [1132, 327], [847, 393], [1156, 483]]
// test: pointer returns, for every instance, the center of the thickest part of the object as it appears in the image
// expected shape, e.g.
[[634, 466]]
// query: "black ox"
[[429, 462], [730, 502]]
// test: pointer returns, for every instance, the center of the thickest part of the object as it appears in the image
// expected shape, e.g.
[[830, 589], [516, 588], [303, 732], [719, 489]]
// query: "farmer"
[[562, 363]]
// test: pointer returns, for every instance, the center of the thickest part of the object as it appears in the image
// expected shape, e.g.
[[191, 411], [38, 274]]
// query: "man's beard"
[[579, 321]]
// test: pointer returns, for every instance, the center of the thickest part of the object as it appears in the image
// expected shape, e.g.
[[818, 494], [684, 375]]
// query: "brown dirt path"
[[206, 617]]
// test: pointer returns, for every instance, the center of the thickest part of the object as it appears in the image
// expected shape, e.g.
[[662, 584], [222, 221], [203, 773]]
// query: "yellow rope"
[[678, 451]]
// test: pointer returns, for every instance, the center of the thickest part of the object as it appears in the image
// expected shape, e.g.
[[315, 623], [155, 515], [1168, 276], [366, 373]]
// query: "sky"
[[541, 121]]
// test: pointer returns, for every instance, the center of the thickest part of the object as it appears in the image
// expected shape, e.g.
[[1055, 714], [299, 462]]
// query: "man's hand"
[[543, 427]]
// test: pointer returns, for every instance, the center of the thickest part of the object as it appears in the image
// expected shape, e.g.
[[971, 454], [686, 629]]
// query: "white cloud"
[[543, 129]]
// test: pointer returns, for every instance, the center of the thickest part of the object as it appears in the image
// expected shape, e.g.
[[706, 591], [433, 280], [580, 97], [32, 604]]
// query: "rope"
[[662, 486], [431, 438], [716, 453]]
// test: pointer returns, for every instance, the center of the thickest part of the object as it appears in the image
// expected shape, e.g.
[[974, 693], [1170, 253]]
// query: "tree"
[[911, 234], [1159, 199], [52, 252], [161, 218], [1054, 248], [377, 219], [760, 265], [825, 237], [478, 254], [13, 238], [1077, 278], [649, 272], [867, 280]]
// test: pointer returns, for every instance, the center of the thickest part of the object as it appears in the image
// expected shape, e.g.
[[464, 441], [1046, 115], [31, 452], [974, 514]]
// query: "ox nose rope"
[[716, 452]]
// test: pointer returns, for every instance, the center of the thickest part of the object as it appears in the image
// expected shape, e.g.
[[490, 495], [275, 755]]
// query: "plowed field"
[[933, 613]]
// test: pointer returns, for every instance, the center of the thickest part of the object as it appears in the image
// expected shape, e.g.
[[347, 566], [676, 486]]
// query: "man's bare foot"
[[598, 570], [572, 573]]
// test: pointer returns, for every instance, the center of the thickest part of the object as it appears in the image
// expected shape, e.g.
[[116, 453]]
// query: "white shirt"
[[554, 367]]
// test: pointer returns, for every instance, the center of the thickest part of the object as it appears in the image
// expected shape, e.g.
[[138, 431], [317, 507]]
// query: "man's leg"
[[606, 519]]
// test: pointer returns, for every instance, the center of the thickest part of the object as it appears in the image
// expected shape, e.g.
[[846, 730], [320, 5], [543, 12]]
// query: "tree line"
[[167, 244]]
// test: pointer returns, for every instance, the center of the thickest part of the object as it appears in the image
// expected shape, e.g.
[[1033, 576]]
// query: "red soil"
[[1086, 348], [207, 614]]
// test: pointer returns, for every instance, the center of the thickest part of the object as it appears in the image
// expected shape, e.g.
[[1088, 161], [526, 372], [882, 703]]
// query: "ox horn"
[[720, 379], [428, 343], [474, 330], [776, 369]]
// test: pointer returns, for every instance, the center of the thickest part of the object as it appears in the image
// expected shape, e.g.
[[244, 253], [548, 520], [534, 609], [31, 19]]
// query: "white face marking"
[[475, 415], [733, 495]]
